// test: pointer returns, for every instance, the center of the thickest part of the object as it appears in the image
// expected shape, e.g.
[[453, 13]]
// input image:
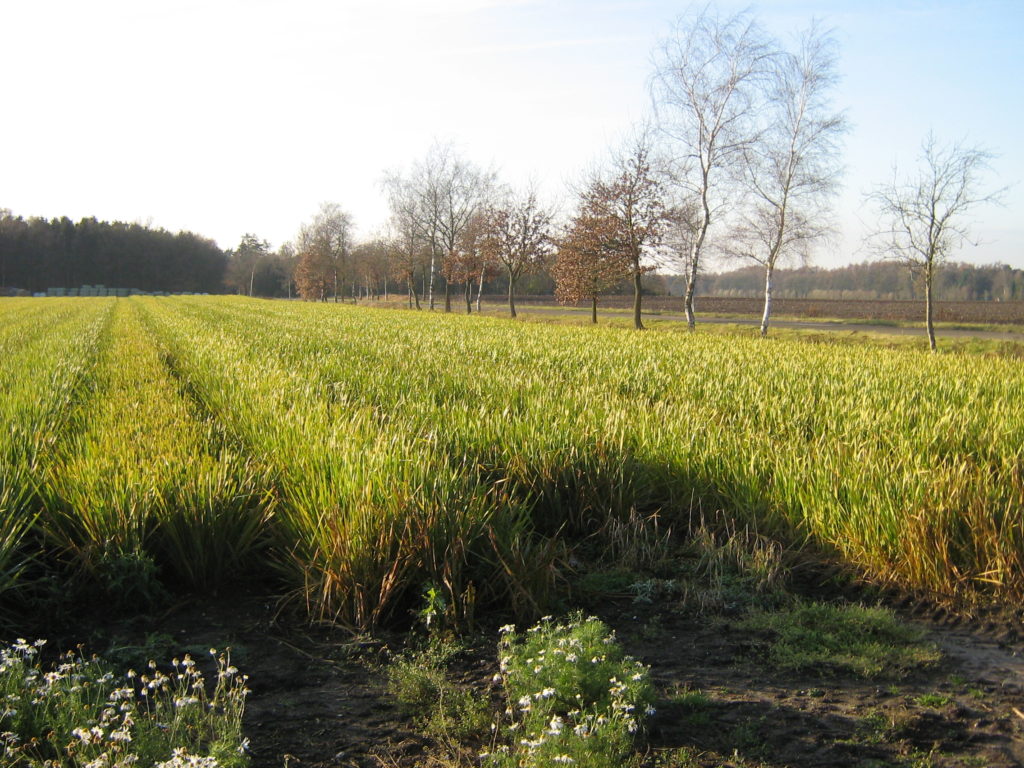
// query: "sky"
[[226, 117]]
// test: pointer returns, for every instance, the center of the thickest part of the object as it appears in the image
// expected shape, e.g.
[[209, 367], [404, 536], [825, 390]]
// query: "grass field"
[[362, 458]]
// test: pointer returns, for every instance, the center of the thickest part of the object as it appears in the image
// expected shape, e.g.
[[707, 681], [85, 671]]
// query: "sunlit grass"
[[140, 480], [381, 452], [48, 350]]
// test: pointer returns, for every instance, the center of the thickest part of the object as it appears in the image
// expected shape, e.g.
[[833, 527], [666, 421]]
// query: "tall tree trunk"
[[511, 294], [480, 289], [691, 285], [430, 290], [769, 268], [593, 309], [469, 296], [410, 286], [929, 308], [695, 249], [335, 286], [252, 278], [637, 289]]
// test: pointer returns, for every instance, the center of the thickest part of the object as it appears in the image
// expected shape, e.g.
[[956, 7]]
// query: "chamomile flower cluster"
[[79, 714], [574, 697]]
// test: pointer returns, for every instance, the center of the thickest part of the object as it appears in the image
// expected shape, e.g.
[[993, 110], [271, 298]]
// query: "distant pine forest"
[[37, 255]]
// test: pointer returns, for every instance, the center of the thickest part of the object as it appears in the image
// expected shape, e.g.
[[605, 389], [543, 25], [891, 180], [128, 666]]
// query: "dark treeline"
[[867, 280], [37, 254]]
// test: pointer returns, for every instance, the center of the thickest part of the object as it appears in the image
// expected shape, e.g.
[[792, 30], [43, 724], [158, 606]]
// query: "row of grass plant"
[[48, 351], [141, 490]]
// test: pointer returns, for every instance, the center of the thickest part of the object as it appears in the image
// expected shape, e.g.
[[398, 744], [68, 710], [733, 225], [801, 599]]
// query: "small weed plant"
[[78, 714], [933, 700], [419, 680], [573, 697]]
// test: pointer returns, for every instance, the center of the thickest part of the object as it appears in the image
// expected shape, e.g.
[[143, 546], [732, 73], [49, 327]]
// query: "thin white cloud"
[[541, 45]]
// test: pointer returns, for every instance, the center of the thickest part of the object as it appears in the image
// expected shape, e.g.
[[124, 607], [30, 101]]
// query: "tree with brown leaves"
[[585, 267], [626, 213], [516, 233], [471, 263], [324, 254]]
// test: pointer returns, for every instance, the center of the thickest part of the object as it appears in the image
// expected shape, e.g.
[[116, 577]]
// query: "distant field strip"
[[368, 454]]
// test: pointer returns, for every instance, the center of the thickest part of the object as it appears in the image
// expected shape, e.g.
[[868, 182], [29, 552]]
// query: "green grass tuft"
[[825, 638]]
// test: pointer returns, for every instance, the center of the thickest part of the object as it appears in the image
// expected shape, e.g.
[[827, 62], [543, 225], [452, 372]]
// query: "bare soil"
[[319, 695]]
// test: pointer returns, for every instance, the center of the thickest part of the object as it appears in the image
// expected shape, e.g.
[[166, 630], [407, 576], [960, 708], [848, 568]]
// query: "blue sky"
[[232, 116]]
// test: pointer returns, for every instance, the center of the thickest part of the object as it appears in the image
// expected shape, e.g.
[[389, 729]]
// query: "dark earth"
[[319, 694]]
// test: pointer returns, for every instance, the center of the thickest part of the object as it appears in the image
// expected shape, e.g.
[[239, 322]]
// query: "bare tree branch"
[[791, 171], [923, 218], [704, 91]]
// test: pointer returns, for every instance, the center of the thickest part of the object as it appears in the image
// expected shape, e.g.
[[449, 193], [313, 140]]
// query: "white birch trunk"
[[430, 289], [767, 300]]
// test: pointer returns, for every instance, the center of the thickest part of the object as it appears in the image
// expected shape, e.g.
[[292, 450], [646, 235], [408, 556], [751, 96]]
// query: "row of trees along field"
[[742, 160], [37, 254]]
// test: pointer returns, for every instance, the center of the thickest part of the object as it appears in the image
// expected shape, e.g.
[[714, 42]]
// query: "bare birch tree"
[[464, 190], [923, 216], [441, 194], [791, 171], [682, 224], [406, 242], [704, 90]]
